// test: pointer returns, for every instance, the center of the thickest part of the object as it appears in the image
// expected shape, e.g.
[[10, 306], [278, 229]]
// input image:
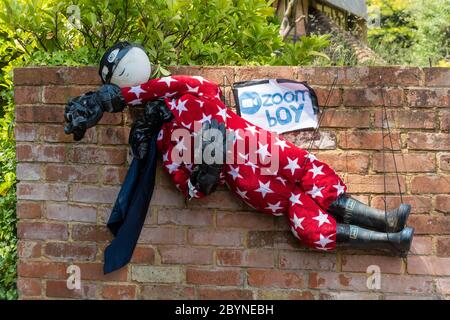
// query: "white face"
[[133, 69]]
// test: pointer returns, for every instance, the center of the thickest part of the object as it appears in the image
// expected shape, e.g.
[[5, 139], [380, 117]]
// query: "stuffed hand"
[[85, 111], [205, 176], [156, 113]]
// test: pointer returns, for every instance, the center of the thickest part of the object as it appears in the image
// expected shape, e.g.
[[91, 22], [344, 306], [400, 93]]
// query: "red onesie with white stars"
[[299, 186]]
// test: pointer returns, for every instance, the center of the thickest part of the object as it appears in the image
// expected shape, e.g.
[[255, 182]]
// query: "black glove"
[[205, 176], [85, 111], [156, 113]]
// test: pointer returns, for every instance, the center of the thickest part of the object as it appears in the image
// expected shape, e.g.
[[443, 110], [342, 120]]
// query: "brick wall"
[[218, 247]]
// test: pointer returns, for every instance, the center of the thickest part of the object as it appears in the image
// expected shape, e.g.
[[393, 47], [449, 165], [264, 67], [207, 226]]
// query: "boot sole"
[[404, 210], [408, 234]]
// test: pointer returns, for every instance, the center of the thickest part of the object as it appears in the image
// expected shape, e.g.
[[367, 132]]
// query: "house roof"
[[356, 7]]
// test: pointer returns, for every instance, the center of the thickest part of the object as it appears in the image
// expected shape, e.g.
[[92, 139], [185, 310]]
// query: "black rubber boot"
[[355, 212], [398, 243]]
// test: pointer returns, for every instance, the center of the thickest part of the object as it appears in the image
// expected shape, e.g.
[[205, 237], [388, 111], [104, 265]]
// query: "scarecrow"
[[184, 117]]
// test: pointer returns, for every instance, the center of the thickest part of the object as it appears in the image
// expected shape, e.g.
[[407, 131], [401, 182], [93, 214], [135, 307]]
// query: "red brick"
[[437, 76], [93, 194], [114, 135], [99, 155], [406, 119], [61, 94], [444, 161], [368, 140], [224, 200], [333, 118], [444, 123], [27, 95], [55, 133], [202, 217], [360, 263], [419, 204], [307, 260], [168, 197], [69, 212], [346, 162], [428, 98], [166, 292], [244, 220], [29, 287], [260, 258], [94, 271], [443, 286], [58, 289], [429, 265], [28, 210], [287, 294], [88, 232], [42, 231], [421, 245], [212, 73], [186, 255], [56, 75], [119, 292], [443, 203], [216, 237], [114, 175], [405, 162], [162, 235], [348, 295], [263, 72], [374, 184], [276, 278], [42, 270], [430, 184], [26, 132], [443, 246], [112, 118], [370, 97], [28, 249], [72, 173], [28, 171], [35, 114], [143, 255], [224, 294], [41, 153], [428, 141], [425, 224], [214, 277], [273, 239], [76, 251], [37, 191], [335, 97], [323, 140]]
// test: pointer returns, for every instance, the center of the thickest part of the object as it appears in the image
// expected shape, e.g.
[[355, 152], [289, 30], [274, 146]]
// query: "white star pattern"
[[192, 89], [282, 180], [298, 222], [201, 79], [166, 156], [322, 218], [235, 172], [200, 102], [243, 156], [281, 143], [236, 135], [274, 207], [186, 125], [170, 94], [192, 190], [242, 194], [323, 242], [295, 198], [167, 80], [311, 157], [252, 129], [340, 188], [316, 170], [315, 192], [264, 188], [172, 167], [294, 232], [223, 114], [160, 135], [252, 165], [137, 90], [180, 146], [180, 106], [205, 118], [293, 165], [262, 151]]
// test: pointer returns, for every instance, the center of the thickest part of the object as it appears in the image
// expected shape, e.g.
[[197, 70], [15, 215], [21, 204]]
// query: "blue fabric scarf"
[[130, 209]]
